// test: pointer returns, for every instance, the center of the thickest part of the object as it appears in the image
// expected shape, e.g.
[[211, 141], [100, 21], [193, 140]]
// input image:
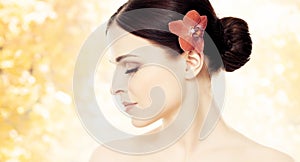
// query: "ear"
[[194, 63]]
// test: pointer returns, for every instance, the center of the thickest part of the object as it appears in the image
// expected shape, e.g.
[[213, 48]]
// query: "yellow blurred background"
[[39, 42]]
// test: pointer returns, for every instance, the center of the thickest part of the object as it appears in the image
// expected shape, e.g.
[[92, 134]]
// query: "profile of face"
[[142, 65]]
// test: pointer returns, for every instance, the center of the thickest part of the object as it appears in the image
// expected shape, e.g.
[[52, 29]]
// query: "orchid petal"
[[203, 22], [192, 18], [199, 45], [178, 28], [186, 44]]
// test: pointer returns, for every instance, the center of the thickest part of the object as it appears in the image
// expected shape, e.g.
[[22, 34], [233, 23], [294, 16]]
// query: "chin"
[[147, 124], [141, 123]]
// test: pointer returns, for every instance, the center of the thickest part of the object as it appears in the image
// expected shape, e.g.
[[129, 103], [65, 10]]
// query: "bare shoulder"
[[269, 154], [99, 154], [253, 151], [102, 154], [263, 153]]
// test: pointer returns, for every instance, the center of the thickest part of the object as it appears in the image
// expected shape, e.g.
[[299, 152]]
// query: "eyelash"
[[132, 70]]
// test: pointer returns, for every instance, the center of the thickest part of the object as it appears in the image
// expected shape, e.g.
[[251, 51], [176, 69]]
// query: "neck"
[[208, 129], [207, 126]]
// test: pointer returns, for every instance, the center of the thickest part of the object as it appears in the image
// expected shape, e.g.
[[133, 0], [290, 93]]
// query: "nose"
[[119, 83]]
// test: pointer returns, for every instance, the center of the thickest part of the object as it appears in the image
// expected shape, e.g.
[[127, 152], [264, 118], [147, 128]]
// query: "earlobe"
[[194, 63]]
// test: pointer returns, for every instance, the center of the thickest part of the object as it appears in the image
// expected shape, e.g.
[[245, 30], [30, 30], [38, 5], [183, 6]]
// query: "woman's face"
[[140, 66]]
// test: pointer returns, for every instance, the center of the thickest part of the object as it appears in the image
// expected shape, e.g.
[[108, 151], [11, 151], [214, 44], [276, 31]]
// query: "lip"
[[128, 105]]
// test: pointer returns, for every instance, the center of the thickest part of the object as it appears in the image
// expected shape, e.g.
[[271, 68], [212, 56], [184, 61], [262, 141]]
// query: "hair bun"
[[237, 43]]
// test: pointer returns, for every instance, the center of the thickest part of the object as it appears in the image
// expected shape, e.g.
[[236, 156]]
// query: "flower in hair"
[[190, 31]]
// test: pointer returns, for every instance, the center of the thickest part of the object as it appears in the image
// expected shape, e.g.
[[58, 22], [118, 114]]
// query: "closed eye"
[[132, 70]]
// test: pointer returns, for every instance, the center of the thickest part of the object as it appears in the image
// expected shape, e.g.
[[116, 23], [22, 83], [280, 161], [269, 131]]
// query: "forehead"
[[122, 42]]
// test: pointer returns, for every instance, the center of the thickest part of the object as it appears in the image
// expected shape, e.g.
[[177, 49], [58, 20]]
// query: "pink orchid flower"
[[190, 31]]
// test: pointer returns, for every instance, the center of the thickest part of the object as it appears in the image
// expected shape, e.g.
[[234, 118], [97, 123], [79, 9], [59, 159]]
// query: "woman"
[[174, 58]]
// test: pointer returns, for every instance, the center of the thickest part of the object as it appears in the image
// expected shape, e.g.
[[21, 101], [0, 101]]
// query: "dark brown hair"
[[230, 35]]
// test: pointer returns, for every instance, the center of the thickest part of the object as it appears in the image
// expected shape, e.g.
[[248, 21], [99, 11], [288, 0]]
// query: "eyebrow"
[[118, 59]]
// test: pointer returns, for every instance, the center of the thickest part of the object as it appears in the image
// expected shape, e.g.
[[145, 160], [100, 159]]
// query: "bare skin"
[[223, 143], [237, 148]]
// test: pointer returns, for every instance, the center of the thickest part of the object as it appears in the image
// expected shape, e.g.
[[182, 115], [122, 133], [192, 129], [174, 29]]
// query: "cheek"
[[141, 83]]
